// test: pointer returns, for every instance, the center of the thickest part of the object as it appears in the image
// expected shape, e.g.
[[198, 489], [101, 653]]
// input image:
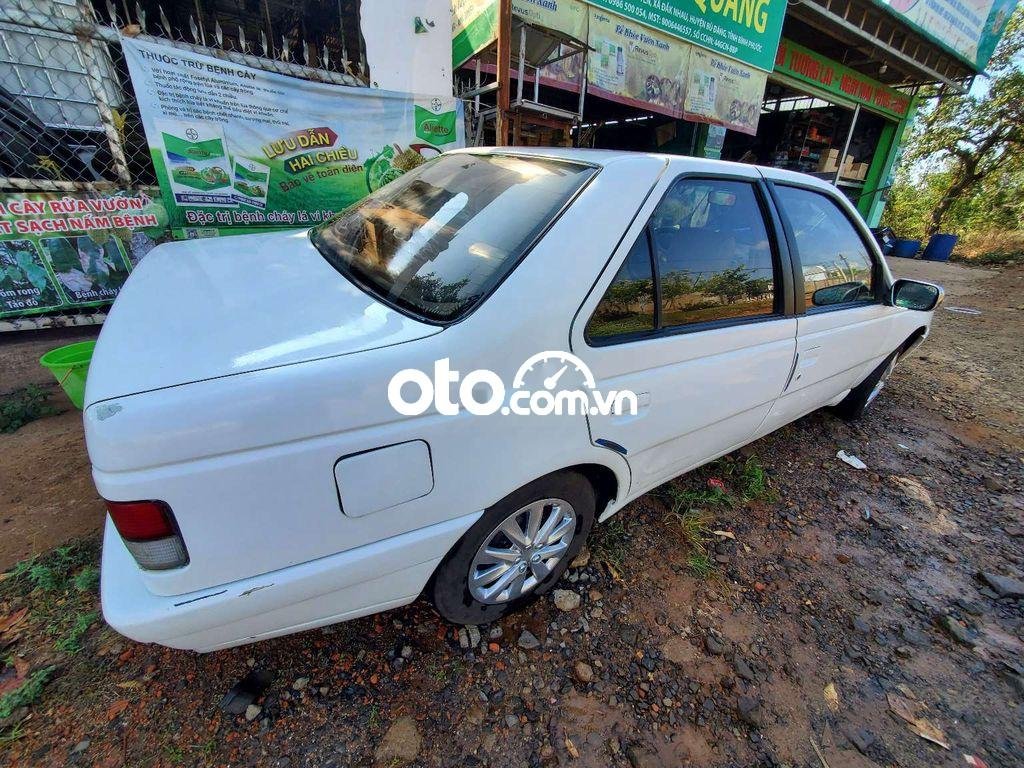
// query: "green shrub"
[[22, 406]]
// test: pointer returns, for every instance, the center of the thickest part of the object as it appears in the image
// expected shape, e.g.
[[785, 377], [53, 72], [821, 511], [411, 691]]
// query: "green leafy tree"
[[971, 139], [728, 285]]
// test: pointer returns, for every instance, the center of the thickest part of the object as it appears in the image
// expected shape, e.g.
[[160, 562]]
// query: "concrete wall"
[[401, 60]]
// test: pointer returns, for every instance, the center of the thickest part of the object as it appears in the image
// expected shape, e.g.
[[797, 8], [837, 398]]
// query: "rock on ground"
[[566, 599], [401, 744], [528, 641], [1003, 586]]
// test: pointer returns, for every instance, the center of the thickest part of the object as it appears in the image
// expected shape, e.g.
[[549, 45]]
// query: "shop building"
[[826, 87]]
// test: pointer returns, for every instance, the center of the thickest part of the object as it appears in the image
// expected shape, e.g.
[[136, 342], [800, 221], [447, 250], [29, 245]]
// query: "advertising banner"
[[240, 148], [723, 92], [568, 16], [61, 251], [475, 22], [969, 28], [805, 65], [635, 65], [746, 30], [474, 27]]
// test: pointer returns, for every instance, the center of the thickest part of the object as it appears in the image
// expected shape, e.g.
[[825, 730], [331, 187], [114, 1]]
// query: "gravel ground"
[[839, 619]]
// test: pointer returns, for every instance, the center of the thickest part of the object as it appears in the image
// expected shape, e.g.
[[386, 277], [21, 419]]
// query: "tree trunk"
[[961, 183]]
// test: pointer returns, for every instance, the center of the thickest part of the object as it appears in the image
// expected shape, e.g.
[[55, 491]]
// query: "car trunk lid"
[[204, 309]]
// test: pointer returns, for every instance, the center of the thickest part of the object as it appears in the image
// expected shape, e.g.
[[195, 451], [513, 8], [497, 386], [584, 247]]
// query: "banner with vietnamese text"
[[632, 64], [239, 148], [61, 252], [969, 28], [723, 91]]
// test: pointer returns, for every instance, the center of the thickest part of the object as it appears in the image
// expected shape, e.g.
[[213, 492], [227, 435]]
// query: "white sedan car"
[[442, 389]]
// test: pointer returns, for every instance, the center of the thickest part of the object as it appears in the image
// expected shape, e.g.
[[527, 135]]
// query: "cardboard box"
[[829, 161], [854, 171]]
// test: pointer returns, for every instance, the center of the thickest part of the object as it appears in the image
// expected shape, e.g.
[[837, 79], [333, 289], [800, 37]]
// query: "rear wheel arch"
[[450, 587], [603, 480]]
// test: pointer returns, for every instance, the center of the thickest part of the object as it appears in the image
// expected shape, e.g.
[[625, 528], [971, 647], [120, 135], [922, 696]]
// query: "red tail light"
[[150, 533]]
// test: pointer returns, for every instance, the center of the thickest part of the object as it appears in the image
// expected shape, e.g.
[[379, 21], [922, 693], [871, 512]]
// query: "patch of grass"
[[995, 248], [59, 570], [752, 480], [610, 541], [700, 564], [692, 525], [26, 694], [59, 590], [174, 754], [11, 736], [71, 639], [24, 405], [678, 497], [87, 579]]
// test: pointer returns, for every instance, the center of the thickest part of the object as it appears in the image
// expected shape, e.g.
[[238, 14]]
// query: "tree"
[[974, 137]]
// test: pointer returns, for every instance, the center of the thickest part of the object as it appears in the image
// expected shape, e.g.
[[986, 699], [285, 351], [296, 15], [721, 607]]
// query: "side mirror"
[[914, 294]]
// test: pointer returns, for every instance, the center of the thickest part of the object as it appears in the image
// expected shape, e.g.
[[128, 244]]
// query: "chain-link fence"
[[69, 121]]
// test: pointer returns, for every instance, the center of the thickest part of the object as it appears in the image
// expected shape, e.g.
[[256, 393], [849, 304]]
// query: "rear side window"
[[628, 304], [705, 256], [836, 266], [713, 253]]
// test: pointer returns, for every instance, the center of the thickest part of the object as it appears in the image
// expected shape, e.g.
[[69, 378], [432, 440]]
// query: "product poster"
[[747, 31], [632, 64], [568, 16], [723, 92], [237, 148], [61, 252]]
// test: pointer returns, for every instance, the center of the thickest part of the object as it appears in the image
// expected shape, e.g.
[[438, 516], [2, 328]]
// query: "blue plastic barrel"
[[940, 247], [906, 249]]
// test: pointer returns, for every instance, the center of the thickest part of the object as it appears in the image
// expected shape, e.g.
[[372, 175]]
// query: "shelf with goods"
[[808, 133]]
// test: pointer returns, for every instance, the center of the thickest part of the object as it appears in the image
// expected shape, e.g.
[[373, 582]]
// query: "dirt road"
[[839, 619]]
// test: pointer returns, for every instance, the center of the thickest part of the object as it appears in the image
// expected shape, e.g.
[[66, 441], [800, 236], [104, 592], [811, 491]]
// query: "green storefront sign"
[[746, 30], [803, 64]]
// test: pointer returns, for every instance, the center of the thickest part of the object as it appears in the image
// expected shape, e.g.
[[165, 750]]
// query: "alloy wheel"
[[522, 551]]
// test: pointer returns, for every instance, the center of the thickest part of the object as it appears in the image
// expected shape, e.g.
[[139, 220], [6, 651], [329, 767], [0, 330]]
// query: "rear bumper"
[[368, 579]]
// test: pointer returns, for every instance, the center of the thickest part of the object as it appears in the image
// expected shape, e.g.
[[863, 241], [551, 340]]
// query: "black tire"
[[449, 588], [857, 401]]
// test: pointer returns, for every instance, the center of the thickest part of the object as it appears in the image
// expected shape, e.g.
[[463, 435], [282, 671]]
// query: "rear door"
[[693, 313], [844, 324]]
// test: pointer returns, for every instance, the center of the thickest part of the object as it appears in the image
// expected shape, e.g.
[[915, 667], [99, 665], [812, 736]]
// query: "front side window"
[[713, 253], [835, 262], [436, 240]]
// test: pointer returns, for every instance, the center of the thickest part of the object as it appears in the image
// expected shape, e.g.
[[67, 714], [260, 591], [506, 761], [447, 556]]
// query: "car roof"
[[677, 163]]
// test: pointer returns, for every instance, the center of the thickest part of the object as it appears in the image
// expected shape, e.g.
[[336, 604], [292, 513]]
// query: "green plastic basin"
[[70, 365]]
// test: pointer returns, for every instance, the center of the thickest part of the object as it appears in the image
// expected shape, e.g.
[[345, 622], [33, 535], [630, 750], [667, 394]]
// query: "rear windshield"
[[439, 238]]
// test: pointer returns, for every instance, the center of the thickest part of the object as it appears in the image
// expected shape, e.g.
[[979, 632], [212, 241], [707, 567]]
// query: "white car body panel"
[[225, 318], [246, 404]]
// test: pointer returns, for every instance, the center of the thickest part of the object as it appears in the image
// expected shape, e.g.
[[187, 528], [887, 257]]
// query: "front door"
[[847, 328], [689, 314]]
